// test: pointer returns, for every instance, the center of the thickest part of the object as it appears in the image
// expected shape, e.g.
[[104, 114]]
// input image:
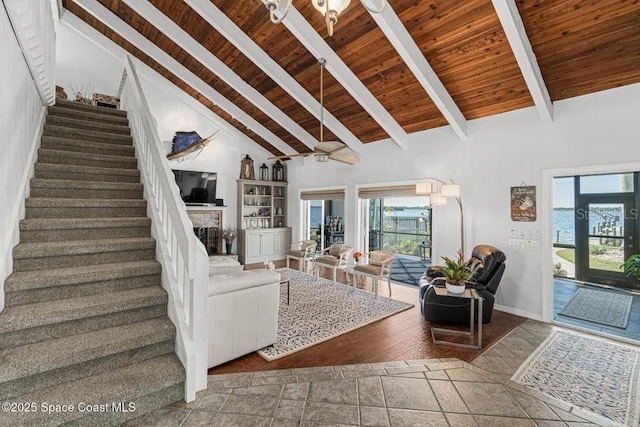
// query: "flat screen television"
[[196, 188]]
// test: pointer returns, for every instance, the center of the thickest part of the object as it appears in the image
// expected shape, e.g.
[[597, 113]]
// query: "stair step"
[[61, 157], [85, 173], [46, 255], [60, 103], [55, 230], [71, 189], [78, 123], [43, 207], [86, 135], [41, 321], [65, 144], [40, 357], [149, 385], [88, 115], [50, 293]]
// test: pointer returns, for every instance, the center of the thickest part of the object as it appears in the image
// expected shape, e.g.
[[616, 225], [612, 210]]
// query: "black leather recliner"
[[488, 264]]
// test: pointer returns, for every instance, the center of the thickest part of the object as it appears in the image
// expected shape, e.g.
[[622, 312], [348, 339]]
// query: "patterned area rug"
[[605, 308], [320, 310], [594, 374]]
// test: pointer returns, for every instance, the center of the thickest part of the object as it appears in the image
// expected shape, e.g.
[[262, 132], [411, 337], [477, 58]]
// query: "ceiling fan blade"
[[328, 146], [288, 156], [344, 156]]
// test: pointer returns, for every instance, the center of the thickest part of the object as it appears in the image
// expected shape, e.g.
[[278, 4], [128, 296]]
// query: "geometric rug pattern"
[[591, 373], [320, 309], [408, 270], [606, 308]]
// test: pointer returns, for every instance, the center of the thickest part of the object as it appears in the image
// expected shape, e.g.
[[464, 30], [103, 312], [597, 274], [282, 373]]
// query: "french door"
[[605, 237]]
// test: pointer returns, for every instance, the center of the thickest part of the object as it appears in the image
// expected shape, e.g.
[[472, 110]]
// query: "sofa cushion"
[[232, 282], [223, 265]]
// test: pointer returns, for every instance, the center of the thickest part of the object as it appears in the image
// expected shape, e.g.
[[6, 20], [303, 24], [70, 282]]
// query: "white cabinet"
[[258, 245]]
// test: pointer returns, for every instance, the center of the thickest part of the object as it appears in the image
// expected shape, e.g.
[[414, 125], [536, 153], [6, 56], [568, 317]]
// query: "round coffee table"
[[284, 278]]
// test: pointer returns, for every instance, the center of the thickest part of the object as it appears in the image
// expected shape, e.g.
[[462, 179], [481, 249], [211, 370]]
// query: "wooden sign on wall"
[[523, 203]]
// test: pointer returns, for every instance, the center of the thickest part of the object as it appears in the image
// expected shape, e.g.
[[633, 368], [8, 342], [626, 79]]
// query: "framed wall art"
[[523, 203]]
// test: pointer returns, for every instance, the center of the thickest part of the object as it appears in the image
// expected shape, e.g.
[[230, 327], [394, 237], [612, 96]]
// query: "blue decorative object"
[[183, 140]]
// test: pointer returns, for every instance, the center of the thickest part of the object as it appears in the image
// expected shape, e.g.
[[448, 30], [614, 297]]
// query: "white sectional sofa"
[[243, 312]]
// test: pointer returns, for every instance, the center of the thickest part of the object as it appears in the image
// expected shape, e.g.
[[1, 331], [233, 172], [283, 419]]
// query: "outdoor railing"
[[185, 263], [402, 235]]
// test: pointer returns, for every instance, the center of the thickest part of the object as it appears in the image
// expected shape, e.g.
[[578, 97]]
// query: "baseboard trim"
[[13, 228], [517, 312]]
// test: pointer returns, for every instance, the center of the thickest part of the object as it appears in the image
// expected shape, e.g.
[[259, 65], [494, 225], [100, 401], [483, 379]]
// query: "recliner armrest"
[[434, 271]]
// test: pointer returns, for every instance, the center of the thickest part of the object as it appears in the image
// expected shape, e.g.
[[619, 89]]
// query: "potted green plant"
[[632, 266], [456, 272]]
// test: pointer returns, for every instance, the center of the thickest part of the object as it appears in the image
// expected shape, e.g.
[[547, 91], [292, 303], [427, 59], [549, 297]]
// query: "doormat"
[[593, 374], [605, 308], [320, 309]]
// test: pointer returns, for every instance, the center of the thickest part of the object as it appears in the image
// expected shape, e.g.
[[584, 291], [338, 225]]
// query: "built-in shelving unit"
[[262, 221]]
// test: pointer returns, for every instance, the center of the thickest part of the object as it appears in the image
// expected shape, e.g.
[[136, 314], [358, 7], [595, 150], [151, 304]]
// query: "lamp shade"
[[424, 187], [450, 190], [437, 199], [337, 5]]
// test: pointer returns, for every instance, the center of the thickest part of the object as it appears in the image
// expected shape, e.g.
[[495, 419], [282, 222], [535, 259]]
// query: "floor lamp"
[[441, 197]]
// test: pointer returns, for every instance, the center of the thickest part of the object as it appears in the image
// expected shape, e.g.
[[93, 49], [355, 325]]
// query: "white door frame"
[[546, 208]]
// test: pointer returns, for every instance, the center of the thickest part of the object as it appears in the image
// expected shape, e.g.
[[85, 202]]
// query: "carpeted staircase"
[[86, 317]]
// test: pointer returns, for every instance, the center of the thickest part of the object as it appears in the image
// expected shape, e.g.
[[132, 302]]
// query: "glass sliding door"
[[324, 221]]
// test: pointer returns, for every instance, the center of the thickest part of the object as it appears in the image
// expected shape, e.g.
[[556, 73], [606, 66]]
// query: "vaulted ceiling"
[[450, 61]]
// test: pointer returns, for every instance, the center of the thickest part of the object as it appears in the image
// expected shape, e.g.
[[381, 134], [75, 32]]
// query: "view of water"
[[564, 222]]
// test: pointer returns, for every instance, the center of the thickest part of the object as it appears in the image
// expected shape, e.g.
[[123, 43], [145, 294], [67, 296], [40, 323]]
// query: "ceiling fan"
[[324, 151]]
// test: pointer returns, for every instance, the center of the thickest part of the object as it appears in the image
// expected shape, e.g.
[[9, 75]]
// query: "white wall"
[[21, 115], [81, 61], [502, 151]]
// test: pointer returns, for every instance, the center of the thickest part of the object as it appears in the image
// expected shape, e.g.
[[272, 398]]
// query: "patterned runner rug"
[[605, 308], [594, 374], [320, 310]]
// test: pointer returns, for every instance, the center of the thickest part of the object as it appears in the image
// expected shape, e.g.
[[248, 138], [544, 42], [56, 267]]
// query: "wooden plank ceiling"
[[581, 47]]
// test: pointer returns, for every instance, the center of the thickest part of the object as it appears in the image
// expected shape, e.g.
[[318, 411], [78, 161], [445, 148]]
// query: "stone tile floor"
[[431, 392], [564, 290]]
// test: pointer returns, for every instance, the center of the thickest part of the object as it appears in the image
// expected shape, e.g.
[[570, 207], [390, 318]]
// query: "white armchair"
[[302, 251], [334, 257], [379, 267]]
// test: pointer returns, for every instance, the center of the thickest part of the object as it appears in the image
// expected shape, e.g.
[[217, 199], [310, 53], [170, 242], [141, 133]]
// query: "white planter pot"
[[455, 289]]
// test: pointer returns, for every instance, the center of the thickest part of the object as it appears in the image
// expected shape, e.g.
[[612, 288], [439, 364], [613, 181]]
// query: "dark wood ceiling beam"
[[514, 29], [112, 21], [219, 68], [201, 106], [225, 26], [315, 44], [406, 47]]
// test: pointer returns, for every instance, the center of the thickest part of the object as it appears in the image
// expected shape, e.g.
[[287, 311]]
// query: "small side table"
[[469, 294], [285, 279]]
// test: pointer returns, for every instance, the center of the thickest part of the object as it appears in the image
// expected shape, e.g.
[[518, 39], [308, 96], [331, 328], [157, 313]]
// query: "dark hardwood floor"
[[403, 336]]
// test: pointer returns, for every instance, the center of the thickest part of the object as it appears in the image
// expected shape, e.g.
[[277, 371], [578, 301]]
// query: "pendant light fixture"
[[329, 8]]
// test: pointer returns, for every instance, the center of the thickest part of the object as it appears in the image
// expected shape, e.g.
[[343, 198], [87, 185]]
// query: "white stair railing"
[[185, 264], [32, 23]]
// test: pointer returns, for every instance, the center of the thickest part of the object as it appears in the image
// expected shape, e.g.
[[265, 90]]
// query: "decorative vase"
[[228, 246], [455, 289]]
